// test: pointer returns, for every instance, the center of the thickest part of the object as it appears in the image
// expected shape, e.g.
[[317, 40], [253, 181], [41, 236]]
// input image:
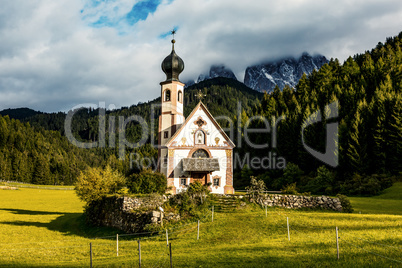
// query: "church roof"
[[172, 65], [200, 105]]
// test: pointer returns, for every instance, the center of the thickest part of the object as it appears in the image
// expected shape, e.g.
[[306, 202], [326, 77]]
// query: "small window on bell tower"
[[167, 95], [180, 97]]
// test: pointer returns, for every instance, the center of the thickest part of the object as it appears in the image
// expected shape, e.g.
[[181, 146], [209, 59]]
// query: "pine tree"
[[357, 150], [4, 132], [5, 166], [41, 172]]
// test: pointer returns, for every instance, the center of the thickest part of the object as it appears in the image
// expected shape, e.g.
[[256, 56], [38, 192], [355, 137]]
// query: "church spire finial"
[[172, 65], [173, 32]]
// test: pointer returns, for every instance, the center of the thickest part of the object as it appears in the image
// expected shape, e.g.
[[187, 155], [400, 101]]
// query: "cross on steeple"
[[200, 95], [173, 32]]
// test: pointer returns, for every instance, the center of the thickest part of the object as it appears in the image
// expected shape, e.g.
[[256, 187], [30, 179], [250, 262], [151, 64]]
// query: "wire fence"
[[151, 249], [20, 184], [116, 249], [345, 237]]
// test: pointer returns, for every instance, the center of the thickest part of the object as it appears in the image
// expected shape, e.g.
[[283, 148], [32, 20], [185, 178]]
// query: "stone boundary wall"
[[299, 201], [129, 214], [8, 188]]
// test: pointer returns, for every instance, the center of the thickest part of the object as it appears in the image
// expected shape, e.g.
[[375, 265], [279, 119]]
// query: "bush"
[[366, 185], [196, 189], [95, 183], [323, 183], [256, 188], [192, 203], [292, 174], [147, 182], [290, 189], [345, 202]]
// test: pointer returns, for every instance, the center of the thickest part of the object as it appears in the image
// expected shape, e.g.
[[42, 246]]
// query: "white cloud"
[[51, 59]]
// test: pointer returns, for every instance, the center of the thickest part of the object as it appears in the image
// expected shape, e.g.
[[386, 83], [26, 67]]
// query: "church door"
[[200, 177]]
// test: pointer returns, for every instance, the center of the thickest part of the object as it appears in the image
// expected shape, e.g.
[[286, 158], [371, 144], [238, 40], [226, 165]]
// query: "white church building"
[[193, 148]]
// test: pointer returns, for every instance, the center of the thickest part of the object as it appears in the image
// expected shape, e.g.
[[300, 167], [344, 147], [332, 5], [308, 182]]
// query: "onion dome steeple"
[[172, 65]]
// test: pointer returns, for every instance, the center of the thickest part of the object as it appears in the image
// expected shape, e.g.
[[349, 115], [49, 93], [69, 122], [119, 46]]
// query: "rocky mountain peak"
[[287, 71], [217, 71]]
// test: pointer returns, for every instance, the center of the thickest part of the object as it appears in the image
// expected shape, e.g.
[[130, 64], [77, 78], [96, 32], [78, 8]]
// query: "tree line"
[[367, 88]]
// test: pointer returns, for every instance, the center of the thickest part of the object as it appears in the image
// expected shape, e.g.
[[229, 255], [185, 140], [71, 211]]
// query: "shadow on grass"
[[66, 223], [290, 256]]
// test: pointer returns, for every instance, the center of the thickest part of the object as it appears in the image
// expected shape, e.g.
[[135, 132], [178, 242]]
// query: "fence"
[[149, 249], [340, 237], [121, 249]]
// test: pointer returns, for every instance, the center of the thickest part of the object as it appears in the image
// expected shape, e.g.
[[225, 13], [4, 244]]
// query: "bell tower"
[[172, 95]]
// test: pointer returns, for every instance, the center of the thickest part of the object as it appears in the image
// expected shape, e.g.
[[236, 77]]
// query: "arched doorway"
[[201, 177]]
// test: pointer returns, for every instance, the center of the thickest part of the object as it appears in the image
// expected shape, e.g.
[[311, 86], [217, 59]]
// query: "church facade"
[[193, 148]]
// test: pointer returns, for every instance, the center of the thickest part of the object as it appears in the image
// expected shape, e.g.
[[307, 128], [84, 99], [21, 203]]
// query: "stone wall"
[[298, 201], [8, 188], [129, 214]]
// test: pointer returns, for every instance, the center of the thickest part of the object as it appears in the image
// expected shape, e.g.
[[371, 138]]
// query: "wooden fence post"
[[266, 214], [167, 238], [139, 251], [198, 230], [90, 255], [170, 253], [212, 213], [117, 244], [287, 221], [337, 242]]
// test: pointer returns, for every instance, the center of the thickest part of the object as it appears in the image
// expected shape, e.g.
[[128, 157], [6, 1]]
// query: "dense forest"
[[367, 88], [46, 130], [40, 156]]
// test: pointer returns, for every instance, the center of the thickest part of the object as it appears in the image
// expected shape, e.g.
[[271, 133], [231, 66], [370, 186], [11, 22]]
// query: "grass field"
[[389, 202], [45, 228]]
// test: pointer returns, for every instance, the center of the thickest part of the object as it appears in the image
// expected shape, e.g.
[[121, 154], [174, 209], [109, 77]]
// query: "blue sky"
[[112, 18], [55, 55], [141, 10]]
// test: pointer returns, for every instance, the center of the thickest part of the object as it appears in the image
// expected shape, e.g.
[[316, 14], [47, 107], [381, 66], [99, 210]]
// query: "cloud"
[[57, 54]]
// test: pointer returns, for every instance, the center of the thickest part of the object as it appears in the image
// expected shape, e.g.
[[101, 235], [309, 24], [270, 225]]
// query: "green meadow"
[[389, 202], [45, 228]]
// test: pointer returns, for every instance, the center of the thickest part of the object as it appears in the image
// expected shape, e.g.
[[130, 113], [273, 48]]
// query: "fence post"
[[266, 214], [167, 238], [170, 253], [287, 221], [212, 213], [139, 251], [337, 242], [198, 230], [117, 244], [90, 255]]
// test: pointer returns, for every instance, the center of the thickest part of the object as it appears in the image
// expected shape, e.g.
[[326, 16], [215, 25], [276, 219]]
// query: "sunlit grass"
[[46, 228], [389, 202], [36, 186]]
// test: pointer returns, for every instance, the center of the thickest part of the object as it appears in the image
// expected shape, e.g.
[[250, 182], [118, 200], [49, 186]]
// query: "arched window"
[[180, 97], [200, 153], [167, 95], [199, 137]]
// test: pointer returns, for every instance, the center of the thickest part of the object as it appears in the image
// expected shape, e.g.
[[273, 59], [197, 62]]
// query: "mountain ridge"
[[287, 71], [263, 77]]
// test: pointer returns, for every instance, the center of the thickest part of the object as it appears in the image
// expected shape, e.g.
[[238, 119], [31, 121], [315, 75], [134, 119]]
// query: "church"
[[193, 148]]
